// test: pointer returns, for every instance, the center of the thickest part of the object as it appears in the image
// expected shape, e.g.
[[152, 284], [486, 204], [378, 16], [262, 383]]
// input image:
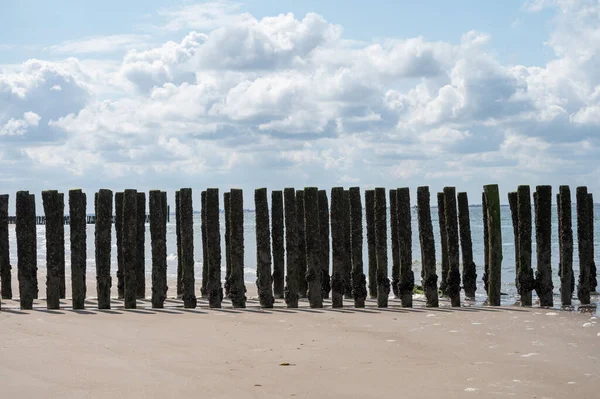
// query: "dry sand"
[[349, 353]]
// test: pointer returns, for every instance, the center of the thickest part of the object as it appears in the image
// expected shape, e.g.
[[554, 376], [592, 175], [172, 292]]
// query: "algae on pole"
[[337, 247], [278, 247], [302, 285], [130, 240], [77, 206], [512, 201], [263, 249], [102, 239], [371, 251], [158, 241], [585, 245], [186, 218], [119, 237], [383, 283], [543, 241], [443, 242], [213, 240], [565, 244], [359, 283], [407, 277], [324, 238], [178, 239], [227, 212], [451, 221], [526, 280], [54, 212], [25, 230], [469, 276], [237, 289], [291, 247], [395, 244], [313, 247], [426, 239], [5, 274], [495, 243]]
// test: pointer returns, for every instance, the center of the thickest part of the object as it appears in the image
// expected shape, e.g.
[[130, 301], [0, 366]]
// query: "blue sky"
[[155, 93]]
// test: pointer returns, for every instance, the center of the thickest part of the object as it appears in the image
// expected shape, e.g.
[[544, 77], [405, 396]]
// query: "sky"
[[285, 93]]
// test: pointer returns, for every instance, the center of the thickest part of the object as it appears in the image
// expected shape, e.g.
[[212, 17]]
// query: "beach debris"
[[286, 364]]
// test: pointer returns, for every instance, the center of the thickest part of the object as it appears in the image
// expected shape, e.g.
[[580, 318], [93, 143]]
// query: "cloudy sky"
[[277, 93]]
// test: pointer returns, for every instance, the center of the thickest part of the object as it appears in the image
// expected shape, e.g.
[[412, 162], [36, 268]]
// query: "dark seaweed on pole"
[[213, 241], [186, 218], [443, 243], [359, 281], [543, 241], [395, 245], [469, 275], [237, 288], [347, 248], [337, 247], [205, 257], [383, 283], [486, 243], [178, 239], [130, 240], [512, 201], [565, 244], [54, 213], [141, 237], [302, 284], [227, 210], [102, 238], [25, 230], [313, 246], [407, 277], [291, 246], [158, 241], [371, 250], [5, 266], [263, 249], [451, 219], [495, 243], [278, 245], [585, 245], [426, 239], [526, 280], [324, 237], [119, 237]]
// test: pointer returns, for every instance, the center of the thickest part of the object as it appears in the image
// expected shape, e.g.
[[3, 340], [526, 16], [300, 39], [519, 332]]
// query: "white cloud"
[[102, 44], [18, 127]]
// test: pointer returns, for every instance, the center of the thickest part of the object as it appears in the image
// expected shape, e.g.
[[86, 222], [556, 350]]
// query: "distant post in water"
[[5, 274], [278, 247], [302, 284], [130, 265], [585, 245], [407, 277], [102, 239], [213, 240], [526, 281], [158, 241], [469, 276], [205, 257], [337, 247], [25, 230], [178, 238], [347, 248], [543, 240], [291, 247], [186, 218], [426, 239], [495, 243], [141, 238], [54, 212], [565, 244], [359, 281], [237, 288], [443, 243], [593, 272], [512, 201], [451, 218], [313, 246], [263, 249], [486, 242], [371, 248], [227, 206], [395, 244], [324, 238], [119, 237], [383, 283]]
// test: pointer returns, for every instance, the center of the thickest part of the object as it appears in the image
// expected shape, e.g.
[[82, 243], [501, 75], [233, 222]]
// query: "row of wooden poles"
[[295, 247]]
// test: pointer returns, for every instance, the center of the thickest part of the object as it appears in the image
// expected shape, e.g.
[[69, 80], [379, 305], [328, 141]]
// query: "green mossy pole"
[[5, 267], [102, 240], [512, 202], [77, 207], [213, 240], [451, 221], [443, 243], [278, 246], [428, 273], [186, 218], [158, 242], [178, 238], [371, 249], [130, 240], [469, 275], [486, 243], [34, 246], [313, 246], [25, 230], [324, 237], [337, 247], [302, 283], [543, 241], [54, 212], [263, 248], [205, 257], [584, 243], [291, 246], [141, 238], [526, 281], [565, 244], [407, 277], [237, 288], [227, 211], [347, 248], [593, 271], [495, 243], [383, 283], [395, 244], [119, 237], [359, 281]]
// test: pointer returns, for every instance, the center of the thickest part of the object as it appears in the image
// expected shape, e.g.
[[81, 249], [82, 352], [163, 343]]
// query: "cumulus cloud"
[[18, 127]]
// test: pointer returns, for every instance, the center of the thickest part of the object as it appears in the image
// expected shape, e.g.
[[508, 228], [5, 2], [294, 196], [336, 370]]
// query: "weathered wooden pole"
[[237, 288], [514, 212], [337, 247], [5, 267], [407, 277], [443, 243], [395, 243], [77, 207], [227, 211], [213, 240], [178, 238], [359, 281], [186, 219], [313, 246], [130, 265], [428, 273], [34, 246], [585, 244], [205, 257], [25, 230], [263, 248], [347, 248], [451, 221], [371, 249], [158, 241], [102, 240], [302, 284], [543, 241], [593, 272], [141, 238], [119, 237], [565, 244], [486, 243], [60, 255], [526, 280], [278, 247], [469, 276], [495, 243], [54, 213], [291, 247], [383, 283], [324, 238]]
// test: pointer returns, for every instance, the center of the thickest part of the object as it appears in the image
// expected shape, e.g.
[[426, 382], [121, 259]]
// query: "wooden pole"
[[337, 247], [158, 242], [526, 281], [324, 238], [395, 242], [383, 283], [347, 248], [543, 241], [451, 219], [227, 206], [178, 238], [584, 242], [359, 281], [25, 230], [495, 243], [77, 206], [130, 265], [119, 237], [302, 284], [371, 249], [102, 240], [291, 245], [54, 213], [213, 240], [486, 243], [593, 272], [469, 276], [237, 288], [205, 257], [512, 201], [34, 246], [278, 246], [443, 243], [141, 238], [5, 267], [407, 277], [427, 242], [60, 255], [263, 249], [186, 218], [313, 246], [565, 244]]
